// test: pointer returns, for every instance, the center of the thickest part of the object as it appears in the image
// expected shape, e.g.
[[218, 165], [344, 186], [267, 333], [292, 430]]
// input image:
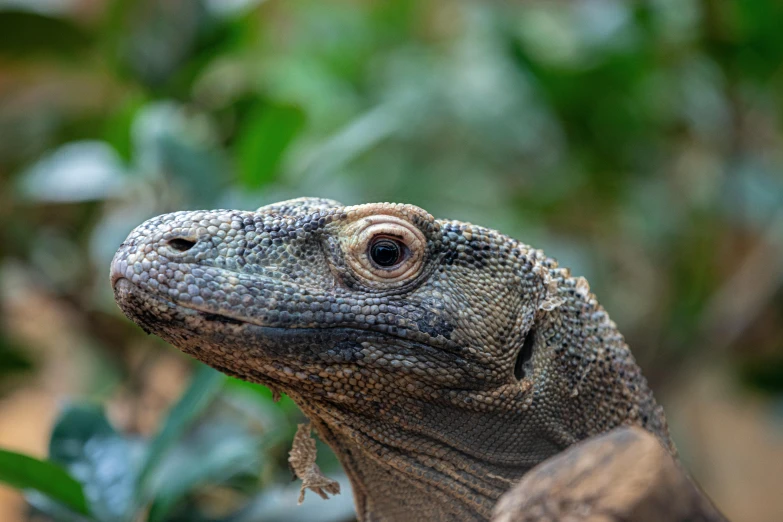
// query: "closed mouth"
[[267, 331], [121, 282]]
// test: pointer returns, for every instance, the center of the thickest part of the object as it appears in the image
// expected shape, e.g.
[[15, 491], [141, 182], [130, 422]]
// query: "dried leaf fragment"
[[302, 461]]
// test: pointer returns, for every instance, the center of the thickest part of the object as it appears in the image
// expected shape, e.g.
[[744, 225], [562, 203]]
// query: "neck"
[[401, 472]]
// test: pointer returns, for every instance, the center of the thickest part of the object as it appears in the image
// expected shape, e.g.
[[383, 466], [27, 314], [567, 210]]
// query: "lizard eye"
[[384, 249], [386, 252]]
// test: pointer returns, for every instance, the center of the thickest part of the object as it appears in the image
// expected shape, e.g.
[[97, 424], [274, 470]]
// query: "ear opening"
[[525, 354]]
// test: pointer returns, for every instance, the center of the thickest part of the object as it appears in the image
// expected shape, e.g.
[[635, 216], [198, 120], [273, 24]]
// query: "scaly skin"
[[438, 382]]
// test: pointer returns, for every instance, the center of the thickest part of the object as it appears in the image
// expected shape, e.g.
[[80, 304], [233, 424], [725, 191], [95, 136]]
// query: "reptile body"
[[440, 360]]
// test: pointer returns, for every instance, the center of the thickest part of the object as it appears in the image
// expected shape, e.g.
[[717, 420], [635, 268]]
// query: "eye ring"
[[398, 235], [386, 252]]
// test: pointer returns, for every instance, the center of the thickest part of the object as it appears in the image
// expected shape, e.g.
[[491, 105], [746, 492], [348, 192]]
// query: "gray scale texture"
[[410, 378]]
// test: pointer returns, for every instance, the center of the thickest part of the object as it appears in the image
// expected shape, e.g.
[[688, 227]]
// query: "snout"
[[136, 260], [154, 250]]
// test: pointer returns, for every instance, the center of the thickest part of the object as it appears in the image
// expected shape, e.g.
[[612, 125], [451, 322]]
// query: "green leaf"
[[263, 395], [27, 34], [167, 139], [139, 33], [118, 125], [40, 503], [256, 402], [101, 459], [229, 441], [13, 361], [213, 454], [75, 172], [204, 387], [267, 133], [25, 472]]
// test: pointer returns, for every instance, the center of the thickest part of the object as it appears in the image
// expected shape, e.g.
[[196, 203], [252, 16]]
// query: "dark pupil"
[[385, 252]]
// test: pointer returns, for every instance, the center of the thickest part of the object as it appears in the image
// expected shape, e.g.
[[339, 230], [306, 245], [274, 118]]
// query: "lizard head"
[[374, 313], [299, 293], [308, 284], [303, 293]]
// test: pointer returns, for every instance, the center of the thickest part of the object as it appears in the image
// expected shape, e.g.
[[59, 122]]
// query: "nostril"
[[181, 244]]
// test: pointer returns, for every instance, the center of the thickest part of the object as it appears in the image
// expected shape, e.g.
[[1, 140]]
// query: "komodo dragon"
[[440, 360]]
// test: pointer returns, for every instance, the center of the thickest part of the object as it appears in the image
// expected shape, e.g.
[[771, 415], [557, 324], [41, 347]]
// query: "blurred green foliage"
[[221, 433], [637, 141]]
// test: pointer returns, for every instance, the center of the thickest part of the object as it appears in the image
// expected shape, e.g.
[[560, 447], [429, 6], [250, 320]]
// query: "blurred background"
[[638, 142]]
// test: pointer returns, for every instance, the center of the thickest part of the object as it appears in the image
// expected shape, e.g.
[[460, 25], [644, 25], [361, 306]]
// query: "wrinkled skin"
[[438, 381]]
